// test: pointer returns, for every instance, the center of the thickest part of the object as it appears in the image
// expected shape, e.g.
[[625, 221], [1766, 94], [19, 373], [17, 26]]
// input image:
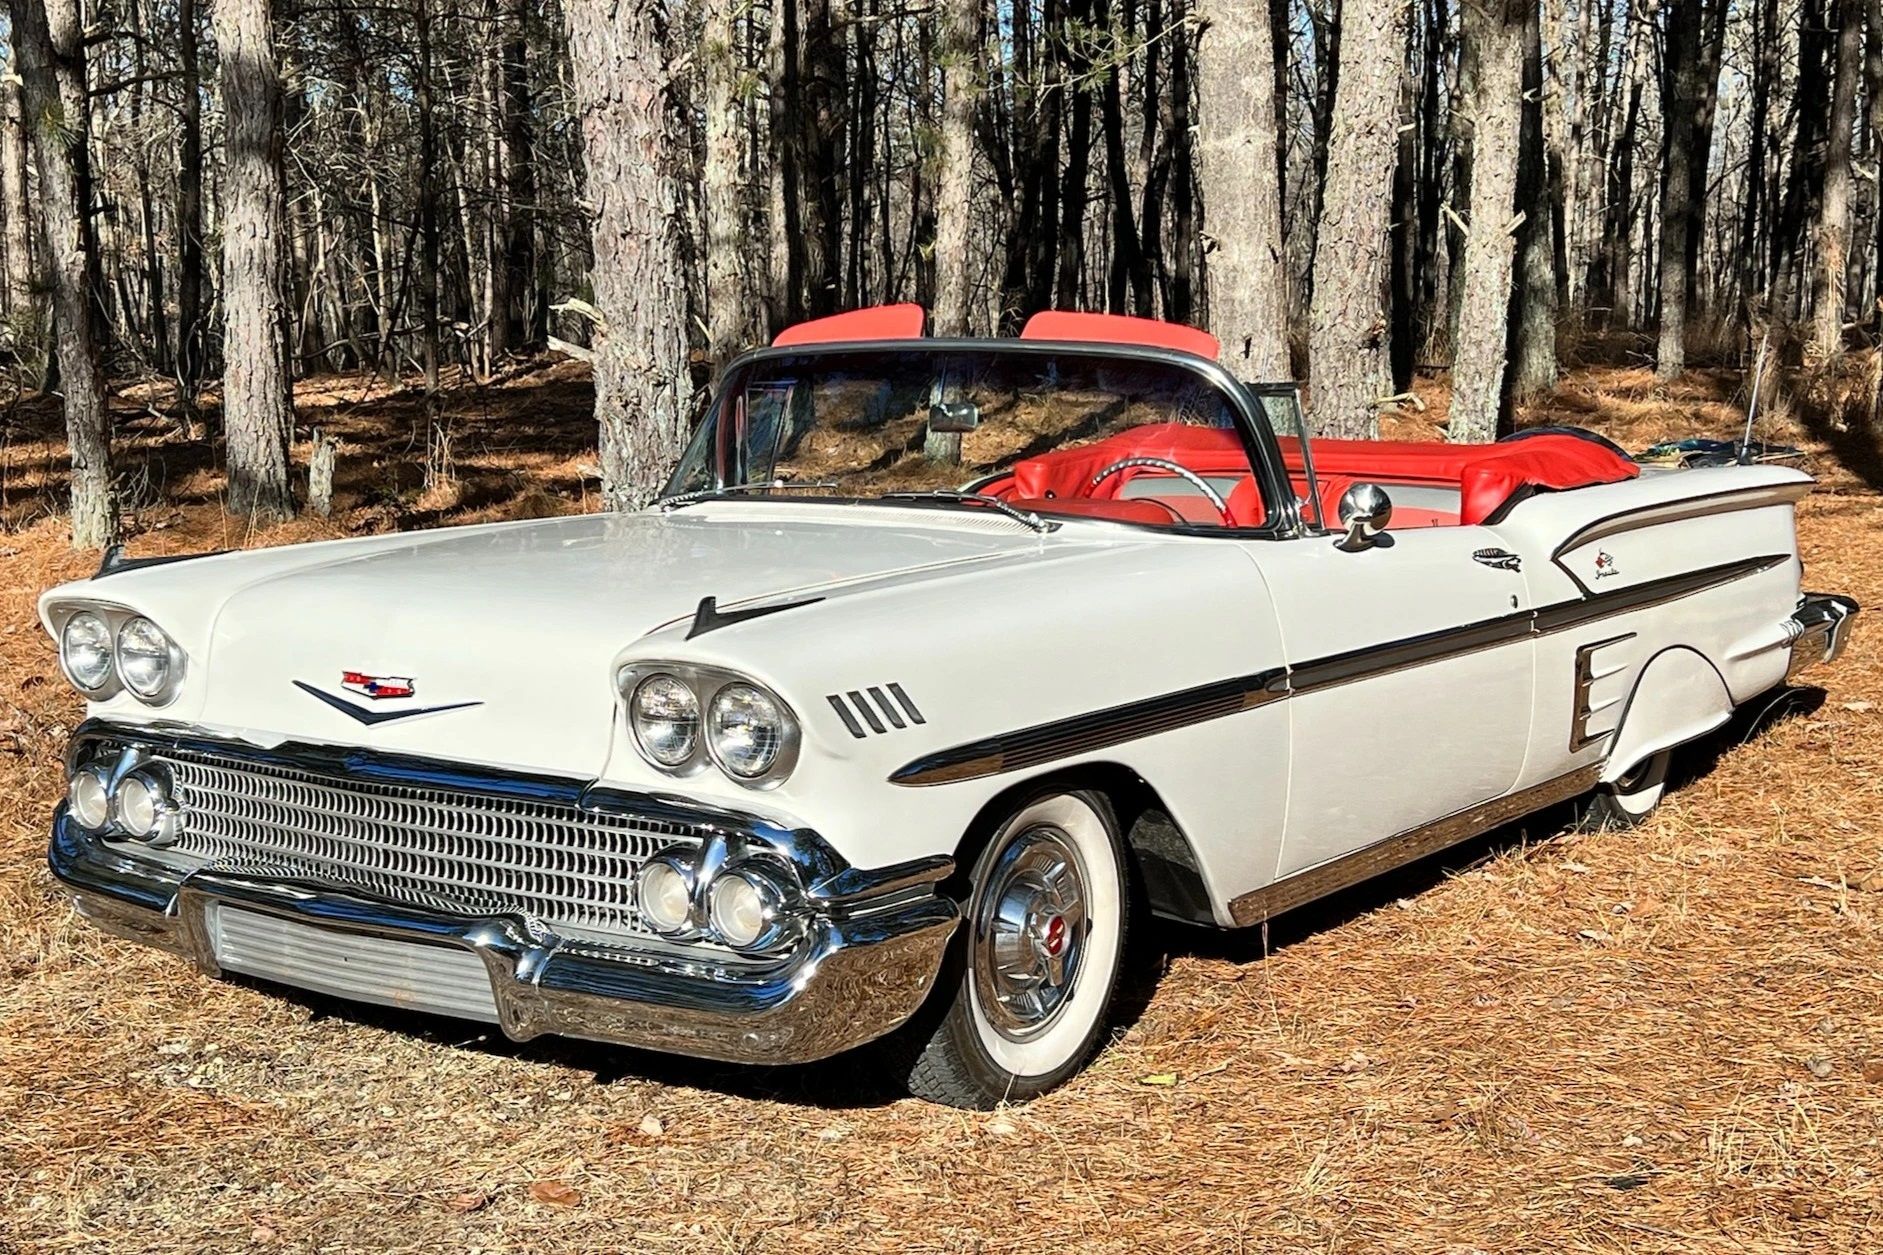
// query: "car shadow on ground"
[[871, 1077]]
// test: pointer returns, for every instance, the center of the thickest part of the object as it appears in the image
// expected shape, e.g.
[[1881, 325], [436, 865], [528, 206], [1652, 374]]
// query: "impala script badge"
[[376, 686], [1604, 566]]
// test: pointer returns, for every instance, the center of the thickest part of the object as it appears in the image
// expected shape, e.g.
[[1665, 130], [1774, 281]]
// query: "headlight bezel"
[[116, 617], [707, 683]]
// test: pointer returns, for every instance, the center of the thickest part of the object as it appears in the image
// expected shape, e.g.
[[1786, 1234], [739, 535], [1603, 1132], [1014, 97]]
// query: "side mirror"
[[1365, 510]]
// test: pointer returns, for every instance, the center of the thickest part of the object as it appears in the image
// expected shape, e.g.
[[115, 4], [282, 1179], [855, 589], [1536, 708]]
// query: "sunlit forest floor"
[[1669, 1039]]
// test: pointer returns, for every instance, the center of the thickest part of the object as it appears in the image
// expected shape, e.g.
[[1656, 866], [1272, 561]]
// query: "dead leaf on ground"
[[555, 1193], [1873, 1071], [1159, 1078], [471, 1200], [651, 1125]]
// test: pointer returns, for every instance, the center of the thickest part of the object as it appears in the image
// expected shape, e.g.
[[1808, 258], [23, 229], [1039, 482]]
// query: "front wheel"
[[1034, 966]]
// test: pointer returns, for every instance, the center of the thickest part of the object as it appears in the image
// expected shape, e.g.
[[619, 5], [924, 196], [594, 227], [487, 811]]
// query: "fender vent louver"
[[875, 710]]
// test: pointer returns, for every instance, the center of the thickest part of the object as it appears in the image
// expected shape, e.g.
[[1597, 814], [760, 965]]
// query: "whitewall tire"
[[1632, 798], [1036, 959]]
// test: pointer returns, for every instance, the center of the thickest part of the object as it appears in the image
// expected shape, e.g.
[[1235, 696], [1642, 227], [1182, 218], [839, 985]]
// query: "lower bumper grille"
[[445, 849], [440, 979]]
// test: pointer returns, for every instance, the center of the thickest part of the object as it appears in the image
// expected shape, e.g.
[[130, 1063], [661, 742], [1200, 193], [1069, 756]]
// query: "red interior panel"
[[1054, 324], [878, 322], [1484, 476]]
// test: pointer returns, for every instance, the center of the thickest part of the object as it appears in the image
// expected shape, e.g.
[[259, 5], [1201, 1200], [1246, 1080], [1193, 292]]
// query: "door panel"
[[1413, 672]]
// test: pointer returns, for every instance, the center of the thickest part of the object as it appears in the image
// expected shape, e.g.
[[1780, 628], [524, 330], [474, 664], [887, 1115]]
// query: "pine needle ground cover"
[[1669, 1039]]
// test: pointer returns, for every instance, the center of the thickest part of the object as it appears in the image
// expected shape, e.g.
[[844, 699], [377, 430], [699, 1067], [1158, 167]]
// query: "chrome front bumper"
[[1820, 629], [868, 956]]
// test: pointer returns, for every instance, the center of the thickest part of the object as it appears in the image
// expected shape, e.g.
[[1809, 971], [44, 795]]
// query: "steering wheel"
[[1182, 472]]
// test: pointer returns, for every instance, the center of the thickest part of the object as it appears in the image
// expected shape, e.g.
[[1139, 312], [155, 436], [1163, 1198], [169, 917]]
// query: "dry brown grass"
[[1663, 1040]]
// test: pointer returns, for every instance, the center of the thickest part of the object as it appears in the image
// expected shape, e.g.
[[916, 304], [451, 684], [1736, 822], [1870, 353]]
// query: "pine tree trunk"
[[1679, 101], [1349, 327], [729, 321], [51, 48], [1236, 135], [954, 167], [1496, 30], [1833, 257], [257, 415], [1535, 286], [621, 84], [21, 308]]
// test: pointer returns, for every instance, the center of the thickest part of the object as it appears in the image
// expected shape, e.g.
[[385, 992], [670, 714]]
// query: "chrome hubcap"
[[1029, 932]]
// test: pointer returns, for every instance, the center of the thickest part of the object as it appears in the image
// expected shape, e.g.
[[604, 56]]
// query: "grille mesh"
[[440, 848]]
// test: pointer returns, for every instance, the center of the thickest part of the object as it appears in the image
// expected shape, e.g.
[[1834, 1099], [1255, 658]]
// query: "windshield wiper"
[[733, 490], [1027, 517]]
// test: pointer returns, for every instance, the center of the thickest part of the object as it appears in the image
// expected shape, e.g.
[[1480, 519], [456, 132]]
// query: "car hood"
[[508, 635]]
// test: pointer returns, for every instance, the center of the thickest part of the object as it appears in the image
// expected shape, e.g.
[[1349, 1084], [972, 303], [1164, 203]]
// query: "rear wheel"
[[1036, 960], [1632, 798]]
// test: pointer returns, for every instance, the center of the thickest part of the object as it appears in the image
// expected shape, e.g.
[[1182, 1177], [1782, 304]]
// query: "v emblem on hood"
[[370, 717]]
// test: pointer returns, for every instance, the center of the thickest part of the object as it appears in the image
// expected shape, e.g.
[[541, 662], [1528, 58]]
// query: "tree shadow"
[[1849, 437]]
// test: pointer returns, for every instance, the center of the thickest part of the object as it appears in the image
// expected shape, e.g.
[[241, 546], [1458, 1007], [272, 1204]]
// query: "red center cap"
[[1055, 935]]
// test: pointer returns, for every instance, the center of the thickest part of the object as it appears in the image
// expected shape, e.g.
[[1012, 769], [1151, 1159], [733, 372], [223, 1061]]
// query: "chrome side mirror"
[[1365, 510]]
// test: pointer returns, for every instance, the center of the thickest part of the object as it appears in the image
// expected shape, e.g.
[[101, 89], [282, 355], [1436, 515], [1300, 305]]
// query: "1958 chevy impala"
[[939, 659]]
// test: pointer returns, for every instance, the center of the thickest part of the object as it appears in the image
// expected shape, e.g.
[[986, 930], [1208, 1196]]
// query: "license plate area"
[[415, 976]]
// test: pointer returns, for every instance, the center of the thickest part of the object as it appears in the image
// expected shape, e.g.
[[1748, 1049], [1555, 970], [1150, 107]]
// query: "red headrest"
[[877, 322], [1055, 324]]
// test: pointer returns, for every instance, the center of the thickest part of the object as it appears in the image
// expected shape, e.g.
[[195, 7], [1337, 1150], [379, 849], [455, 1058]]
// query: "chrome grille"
[[440, 848]]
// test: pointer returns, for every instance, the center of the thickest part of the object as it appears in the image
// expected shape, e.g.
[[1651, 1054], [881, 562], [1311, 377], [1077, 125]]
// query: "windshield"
[[1114, 437]]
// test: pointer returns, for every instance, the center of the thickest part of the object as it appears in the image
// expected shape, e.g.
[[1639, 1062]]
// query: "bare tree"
[[954, 173], [1680, 98], [1495, 29], [621, 86], [729, 307], [257, 414], [18, 240], [1236, 137], [50, 41], [1348, 359], [1833, 257]]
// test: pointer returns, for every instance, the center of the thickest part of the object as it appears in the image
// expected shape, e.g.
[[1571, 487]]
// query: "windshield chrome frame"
[[1259, 441]]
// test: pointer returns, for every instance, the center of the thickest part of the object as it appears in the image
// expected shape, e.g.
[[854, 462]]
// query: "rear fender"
[[1679, 696]]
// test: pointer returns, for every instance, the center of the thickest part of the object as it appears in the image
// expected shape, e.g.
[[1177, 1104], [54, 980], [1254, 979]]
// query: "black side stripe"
[[1081, 734]]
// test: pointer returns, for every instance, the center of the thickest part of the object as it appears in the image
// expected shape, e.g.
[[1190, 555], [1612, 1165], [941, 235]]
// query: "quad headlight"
[[684, 717], [666, 716], [148, 660], [131, 798], [105, 649], [85, 651], [746, 729]]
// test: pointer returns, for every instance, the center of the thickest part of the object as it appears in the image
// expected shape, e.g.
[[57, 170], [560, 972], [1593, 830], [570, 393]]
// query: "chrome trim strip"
[[1408, 847], [1579, 738], [1675, 512], [1081, 734]]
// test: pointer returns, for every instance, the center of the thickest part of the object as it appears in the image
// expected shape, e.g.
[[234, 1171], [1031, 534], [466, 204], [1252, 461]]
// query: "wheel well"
[[1163, 861], [1688, 699]]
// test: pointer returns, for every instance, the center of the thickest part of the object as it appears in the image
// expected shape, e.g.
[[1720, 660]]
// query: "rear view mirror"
[[954, 417]]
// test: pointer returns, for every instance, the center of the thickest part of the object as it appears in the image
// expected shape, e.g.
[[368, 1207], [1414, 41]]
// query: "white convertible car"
[[939, 660]]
